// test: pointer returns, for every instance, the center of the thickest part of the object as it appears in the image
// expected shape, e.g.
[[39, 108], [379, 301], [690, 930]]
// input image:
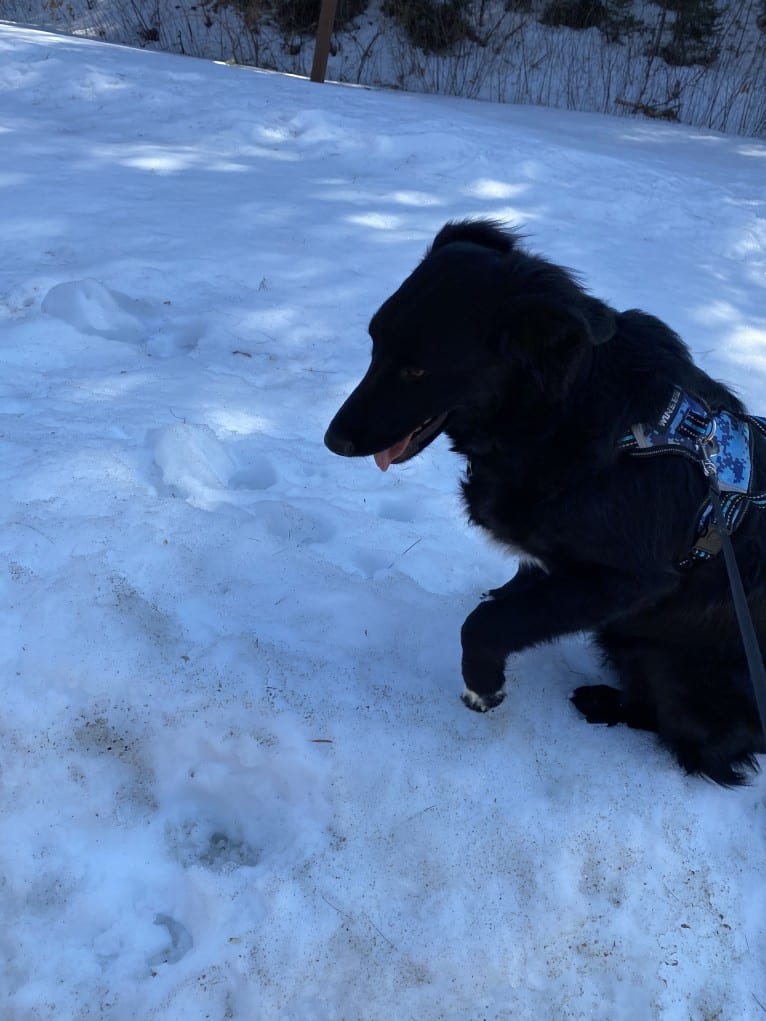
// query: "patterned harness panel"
[[682, 428]]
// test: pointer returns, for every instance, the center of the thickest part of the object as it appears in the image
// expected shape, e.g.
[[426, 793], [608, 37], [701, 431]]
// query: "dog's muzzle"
[[339, 444]]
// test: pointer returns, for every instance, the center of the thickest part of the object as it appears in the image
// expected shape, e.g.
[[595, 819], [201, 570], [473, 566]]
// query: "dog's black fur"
[[534, 381]]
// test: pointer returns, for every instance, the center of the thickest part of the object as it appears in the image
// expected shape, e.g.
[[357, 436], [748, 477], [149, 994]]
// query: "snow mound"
[[193, 462], [91, 308]]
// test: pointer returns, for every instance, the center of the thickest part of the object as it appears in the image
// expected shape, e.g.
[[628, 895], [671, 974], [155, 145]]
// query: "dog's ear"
[[485, 233], [550, 341]]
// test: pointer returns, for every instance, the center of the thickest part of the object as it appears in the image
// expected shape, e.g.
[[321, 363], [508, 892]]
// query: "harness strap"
[[741, 608], [685, 427], [722, 445]]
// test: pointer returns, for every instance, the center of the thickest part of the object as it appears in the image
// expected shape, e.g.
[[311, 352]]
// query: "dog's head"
[[475, 314]]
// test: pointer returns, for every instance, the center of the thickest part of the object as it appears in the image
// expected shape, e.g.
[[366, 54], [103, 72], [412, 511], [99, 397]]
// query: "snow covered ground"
[[508, 55], [237, 780]]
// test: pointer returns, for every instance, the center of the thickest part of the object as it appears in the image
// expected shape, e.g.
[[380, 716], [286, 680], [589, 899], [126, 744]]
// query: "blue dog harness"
[[720, 442]]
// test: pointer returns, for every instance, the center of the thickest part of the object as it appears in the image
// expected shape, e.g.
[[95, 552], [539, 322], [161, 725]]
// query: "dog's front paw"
[[481, 703]]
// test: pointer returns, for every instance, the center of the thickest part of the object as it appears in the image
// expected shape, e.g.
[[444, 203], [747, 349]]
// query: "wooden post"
[[322, 47]]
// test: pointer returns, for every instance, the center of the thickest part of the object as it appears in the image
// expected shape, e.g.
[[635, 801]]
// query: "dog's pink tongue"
[[385, 458]]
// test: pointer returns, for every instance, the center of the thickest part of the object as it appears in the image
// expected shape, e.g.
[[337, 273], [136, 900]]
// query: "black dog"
[[583, 430]]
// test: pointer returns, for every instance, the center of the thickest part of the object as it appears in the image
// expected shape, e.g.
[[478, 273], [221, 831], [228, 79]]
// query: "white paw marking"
[[480, 704]]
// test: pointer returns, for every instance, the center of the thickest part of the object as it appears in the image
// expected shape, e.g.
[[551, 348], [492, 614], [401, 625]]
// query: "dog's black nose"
[[338, 445]]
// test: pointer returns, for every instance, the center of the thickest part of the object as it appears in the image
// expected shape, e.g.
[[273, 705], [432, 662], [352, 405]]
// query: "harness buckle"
[[706, 449]]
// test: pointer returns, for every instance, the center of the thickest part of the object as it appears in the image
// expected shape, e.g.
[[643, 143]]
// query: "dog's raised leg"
[[483, 668], [536, 607], [483, 665]]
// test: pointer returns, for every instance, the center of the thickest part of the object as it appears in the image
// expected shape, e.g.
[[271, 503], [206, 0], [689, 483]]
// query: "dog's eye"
[[409, 374]]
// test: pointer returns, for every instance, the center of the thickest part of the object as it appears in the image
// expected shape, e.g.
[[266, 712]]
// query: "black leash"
[[744, 618]]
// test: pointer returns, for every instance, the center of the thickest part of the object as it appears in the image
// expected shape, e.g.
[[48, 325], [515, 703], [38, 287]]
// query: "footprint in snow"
[[201, 842], [397, 510], [287, 523], [192, 460], [370, 563], [257, 474], [175, 338], [255, 801], [194, 463], [197, 466], [179, 944]]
